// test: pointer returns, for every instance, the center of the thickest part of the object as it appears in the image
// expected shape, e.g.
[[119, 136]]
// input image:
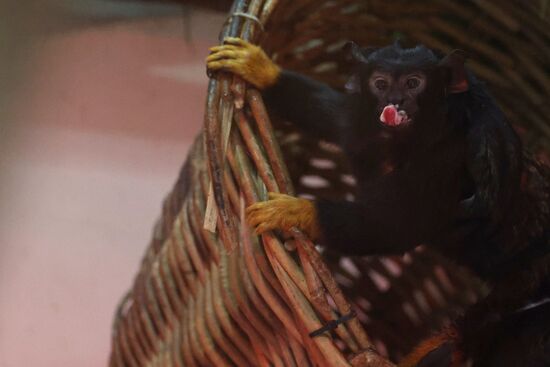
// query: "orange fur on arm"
[[427, 346]]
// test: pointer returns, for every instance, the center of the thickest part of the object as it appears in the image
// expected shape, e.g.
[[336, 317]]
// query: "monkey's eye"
[[380, 84], [412, 83]]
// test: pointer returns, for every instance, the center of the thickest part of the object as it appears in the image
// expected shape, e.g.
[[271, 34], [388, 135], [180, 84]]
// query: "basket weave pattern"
[[232, 299]]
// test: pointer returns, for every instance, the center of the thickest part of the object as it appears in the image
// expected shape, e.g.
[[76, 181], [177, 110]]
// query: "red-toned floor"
[[103, 123]]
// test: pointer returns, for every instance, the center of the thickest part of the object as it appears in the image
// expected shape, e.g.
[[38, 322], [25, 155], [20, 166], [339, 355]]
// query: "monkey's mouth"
[[393, 116]]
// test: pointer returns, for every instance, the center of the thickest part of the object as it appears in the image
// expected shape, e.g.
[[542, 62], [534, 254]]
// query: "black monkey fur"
[[461, 183]]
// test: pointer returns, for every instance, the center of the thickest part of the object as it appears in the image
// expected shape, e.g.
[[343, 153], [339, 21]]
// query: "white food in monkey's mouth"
[[392, 116]]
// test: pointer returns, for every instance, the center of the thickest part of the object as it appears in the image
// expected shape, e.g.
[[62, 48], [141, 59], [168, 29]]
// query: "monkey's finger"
[[227, 65], [273, 216], [261, 205], [259, 217], [214, 65], [253, 217], [268, 213], [224, 47], [264, 227], [236, 41], [227, 54], [254, 207], [279, 196], [250, 218], [220, 49]]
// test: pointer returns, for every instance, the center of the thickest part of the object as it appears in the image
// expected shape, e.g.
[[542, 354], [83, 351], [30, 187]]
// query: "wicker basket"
[[232, 299]]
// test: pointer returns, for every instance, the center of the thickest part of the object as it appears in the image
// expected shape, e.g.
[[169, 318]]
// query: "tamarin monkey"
[[458, 181]]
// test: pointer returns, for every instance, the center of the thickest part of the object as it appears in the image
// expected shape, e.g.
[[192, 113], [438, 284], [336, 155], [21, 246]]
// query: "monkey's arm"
[[394, 216], [494, 150], [312, 106], [308, 104]]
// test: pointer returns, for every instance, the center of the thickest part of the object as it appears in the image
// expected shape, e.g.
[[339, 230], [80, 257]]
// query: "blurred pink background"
[[100, 127]]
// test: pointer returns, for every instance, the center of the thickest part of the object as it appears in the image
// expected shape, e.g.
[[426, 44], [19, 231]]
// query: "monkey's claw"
[[283, 212]]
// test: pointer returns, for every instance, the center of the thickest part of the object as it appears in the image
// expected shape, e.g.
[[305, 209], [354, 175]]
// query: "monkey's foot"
[[244, 59], [284, 212]]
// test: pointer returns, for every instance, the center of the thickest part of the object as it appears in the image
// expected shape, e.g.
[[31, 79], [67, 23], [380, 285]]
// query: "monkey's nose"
[[396, 101]]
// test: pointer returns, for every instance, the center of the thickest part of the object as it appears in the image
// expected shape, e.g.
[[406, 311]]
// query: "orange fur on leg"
[[246, 60], [449, 334], [284, 212]]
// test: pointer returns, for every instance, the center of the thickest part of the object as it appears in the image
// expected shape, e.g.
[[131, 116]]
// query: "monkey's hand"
[[246, 60], [284, 212]]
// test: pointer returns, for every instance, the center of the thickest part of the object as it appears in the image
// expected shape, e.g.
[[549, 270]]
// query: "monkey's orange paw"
[[284, 212], [245, 60]]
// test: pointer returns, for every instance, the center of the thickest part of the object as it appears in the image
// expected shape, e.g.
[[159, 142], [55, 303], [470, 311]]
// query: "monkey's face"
[[404, 87], [396, 95]]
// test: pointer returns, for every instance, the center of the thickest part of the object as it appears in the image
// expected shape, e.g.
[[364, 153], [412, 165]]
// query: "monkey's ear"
[[356, 53], [455, 63]]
